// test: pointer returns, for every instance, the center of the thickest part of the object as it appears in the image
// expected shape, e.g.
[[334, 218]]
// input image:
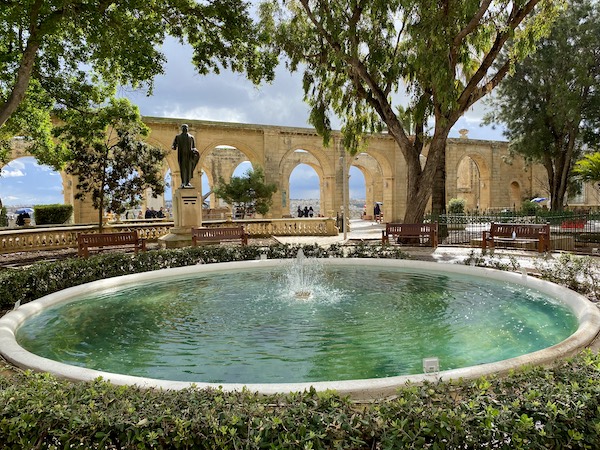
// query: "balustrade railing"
[[65, 236]]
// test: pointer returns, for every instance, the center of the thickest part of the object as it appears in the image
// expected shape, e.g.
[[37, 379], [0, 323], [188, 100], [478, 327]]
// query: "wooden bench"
[[411, 230], [522, 233], [101, 240], [217, 235]]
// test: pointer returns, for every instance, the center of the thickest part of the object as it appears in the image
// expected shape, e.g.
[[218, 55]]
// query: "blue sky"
[[228, 97]]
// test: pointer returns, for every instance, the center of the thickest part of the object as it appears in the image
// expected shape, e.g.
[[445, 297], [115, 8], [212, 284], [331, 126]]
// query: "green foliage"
[[550, 104], [360, 58], [32, 123], [588, 168], [529, 208], [248, 193], [107, 153], [456, 206], [73, 54], [501, 262], [579, 273], [533, 408], [52, 214], [3, 217]]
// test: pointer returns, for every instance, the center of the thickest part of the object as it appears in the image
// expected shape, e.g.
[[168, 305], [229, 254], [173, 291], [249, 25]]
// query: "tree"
[[59, 52], [587, 169], [106, 152], [248, 193], [357, 55], [551, 105]]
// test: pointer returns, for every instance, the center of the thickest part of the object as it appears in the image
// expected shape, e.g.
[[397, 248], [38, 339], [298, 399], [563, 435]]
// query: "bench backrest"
[[520, 229], [126, 237], [411, 228], [218, 233]]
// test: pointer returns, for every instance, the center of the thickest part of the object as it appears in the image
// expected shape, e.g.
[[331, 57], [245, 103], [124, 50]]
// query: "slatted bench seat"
[[517, 233], [101, 240], [218, 235], [423, 232]]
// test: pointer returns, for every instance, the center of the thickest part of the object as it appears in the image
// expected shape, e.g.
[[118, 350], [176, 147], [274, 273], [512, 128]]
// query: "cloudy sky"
[[228, 97]]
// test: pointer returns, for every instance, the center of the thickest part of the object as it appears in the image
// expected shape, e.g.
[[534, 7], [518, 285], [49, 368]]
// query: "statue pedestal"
[[187, 214]]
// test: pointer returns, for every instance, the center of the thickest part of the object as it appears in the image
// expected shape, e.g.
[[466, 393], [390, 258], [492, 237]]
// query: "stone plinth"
[[187, 214]]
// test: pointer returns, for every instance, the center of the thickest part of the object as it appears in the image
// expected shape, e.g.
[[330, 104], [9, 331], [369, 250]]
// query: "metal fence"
[[569, 231]]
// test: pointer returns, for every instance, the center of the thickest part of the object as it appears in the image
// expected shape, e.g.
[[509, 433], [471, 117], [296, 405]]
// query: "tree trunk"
[[420, 187], [438, 195], [420, 191], [21, 83]]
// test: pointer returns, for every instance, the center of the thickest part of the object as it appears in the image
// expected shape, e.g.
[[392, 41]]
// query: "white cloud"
[[19, 163], [205, 113], [11, 173]]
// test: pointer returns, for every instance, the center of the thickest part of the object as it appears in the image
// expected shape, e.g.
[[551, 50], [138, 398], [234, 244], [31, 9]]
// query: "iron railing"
[[569, 231]]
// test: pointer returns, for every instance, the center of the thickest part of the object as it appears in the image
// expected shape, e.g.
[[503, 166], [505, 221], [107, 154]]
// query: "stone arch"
[[515, 194], [374, 184], [317, 160], [220, 158], [20, 149], [472, 181]]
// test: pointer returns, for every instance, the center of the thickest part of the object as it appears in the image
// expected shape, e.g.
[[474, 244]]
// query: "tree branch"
[[515, 18]]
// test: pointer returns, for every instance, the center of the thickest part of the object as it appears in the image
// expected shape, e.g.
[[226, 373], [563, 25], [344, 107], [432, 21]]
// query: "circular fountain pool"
[[360, 326]]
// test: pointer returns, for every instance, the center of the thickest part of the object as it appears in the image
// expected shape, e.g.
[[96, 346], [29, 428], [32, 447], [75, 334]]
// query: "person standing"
[[377, 213], [187, 155]]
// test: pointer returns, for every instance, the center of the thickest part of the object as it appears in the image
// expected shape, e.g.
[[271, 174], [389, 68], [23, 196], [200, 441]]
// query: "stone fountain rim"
[[586, 313]]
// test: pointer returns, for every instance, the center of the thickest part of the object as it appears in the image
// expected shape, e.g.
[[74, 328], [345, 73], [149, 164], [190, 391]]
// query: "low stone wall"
[[319, 226], [60, 237]]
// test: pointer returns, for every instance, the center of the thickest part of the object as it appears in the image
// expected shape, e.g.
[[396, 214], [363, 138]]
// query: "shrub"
[[52, 214], [530, 408], [579, 273], [529, 208], [3, 217], [456, 206]]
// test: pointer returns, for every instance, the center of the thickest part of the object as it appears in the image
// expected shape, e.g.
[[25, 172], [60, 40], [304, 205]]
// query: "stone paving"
[[370, 232]]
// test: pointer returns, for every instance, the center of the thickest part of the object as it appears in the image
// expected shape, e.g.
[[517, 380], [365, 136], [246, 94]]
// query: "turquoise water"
[[247, 326]]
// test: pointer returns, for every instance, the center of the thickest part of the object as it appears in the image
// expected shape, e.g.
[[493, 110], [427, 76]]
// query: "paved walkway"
[[367, 231]]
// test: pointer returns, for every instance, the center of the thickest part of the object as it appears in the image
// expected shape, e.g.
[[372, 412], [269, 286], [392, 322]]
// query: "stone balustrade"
[[41, 238], [65, 236], [291, 227]]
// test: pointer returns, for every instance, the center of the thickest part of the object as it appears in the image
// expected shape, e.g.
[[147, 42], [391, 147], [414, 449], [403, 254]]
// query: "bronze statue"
[[187, 155]]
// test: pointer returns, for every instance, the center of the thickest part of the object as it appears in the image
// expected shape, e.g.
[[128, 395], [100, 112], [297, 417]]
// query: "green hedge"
[[531, 409], [52, 214], [32, 282]]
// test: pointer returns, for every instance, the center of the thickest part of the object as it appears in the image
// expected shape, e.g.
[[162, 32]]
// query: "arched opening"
[[357, 187], [24, 183], [515, 195], [366, 187], [304, 191], [468, 183], [222, 161]]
